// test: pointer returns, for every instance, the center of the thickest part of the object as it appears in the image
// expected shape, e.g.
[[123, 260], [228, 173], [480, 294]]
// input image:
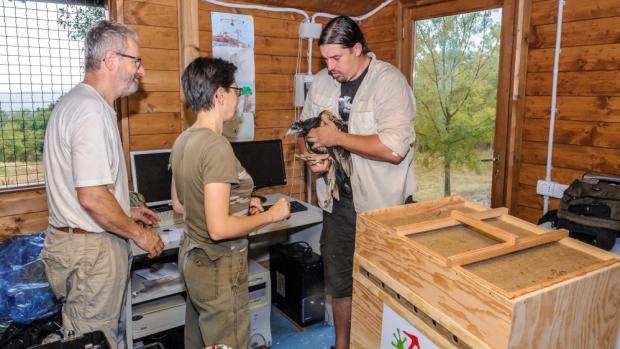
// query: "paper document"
[[171, 235], [167, 271]]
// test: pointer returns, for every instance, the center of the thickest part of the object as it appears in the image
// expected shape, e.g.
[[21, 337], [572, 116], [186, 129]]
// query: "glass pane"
[[455, 84]]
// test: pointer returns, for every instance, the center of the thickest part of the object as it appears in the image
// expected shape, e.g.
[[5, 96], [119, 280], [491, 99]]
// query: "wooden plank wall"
[[587, 129], [155, 110], [382, 32], [22, 212]]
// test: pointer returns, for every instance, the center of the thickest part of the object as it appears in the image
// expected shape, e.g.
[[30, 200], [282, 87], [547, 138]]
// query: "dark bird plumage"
[[340, 158]]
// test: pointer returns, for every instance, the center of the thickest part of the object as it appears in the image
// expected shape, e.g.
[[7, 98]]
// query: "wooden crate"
[[471, 277]]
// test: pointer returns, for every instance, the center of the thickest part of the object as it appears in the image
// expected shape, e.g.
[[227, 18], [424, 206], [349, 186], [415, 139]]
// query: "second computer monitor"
[[152, 176], [263, 160]]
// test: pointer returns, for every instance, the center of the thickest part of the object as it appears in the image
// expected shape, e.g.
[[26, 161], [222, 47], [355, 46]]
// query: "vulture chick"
[[340, 158]]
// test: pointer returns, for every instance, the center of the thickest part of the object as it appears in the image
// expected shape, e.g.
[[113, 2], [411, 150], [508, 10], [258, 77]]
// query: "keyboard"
[[166, 218], [296, 206], [165, 214]]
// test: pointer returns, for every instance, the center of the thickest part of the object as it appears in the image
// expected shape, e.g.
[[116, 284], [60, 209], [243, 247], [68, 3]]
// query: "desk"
[[142, 293], [298, 220], [171, 235]]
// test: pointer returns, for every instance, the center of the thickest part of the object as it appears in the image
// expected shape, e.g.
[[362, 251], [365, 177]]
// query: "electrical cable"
[[554, 93], [357, 18], [260, 7]]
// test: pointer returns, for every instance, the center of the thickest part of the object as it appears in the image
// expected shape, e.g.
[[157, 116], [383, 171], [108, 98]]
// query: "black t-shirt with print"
[[348, 90]]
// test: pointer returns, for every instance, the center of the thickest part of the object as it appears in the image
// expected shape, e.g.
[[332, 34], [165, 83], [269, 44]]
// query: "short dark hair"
[[203, 77], [344, 31]]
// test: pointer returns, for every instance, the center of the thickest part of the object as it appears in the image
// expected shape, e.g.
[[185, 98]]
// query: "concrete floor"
[[285, 335]]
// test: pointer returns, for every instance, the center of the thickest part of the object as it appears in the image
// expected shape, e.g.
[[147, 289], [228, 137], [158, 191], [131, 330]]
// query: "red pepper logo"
[[399, 342]]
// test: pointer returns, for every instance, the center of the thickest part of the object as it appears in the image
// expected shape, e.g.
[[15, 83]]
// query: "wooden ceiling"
[[341, 7]]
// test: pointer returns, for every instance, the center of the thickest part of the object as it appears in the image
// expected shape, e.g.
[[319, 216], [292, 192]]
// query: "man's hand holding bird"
[[319, 163], [328, 135]]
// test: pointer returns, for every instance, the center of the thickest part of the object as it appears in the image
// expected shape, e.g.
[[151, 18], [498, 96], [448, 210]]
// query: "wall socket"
[[550, 188]]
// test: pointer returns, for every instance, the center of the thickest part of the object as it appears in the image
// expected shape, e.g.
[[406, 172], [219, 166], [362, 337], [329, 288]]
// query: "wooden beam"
[[483, 227], [425, 10], [506, 248], [189, 49], [426, 226], [517, 103]]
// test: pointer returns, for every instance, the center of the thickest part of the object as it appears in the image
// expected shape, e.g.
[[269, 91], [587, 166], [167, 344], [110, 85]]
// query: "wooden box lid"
[[510, 256]]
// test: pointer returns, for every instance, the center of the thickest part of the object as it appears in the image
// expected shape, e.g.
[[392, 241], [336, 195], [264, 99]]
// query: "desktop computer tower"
[[297, 282], [260, 305]]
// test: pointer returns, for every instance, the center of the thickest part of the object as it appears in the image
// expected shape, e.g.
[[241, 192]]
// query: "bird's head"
[[294, 129], [302, 127]]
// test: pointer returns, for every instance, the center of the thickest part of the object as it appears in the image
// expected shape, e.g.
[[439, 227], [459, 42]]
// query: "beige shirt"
[[384, 105], [82, 149], [199, 157]]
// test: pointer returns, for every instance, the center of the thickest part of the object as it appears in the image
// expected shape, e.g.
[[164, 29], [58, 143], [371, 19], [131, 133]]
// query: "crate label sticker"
[[398, 333]]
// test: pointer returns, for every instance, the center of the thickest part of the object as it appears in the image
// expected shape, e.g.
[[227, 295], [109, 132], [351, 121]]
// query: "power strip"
[[550, 188]]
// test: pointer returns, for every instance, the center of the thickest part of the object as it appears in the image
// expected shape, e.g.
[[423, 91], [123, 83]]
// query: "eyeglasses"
[[136, 60], [238, 90]]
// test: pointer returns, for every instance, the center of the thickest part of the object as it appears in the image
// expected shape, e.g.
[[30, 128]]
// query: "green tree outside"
[[22, 134], [455, 83], [77, 20]]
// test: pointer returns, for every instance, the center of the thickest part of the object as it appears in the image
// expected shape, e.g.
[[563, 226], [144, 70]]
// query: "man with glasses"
[[374, 98], [87, 254]]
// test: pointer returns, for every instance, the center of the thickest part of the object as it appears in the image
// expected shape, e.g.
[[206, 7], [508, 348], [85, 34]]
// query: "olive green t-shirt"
[[200, 156]]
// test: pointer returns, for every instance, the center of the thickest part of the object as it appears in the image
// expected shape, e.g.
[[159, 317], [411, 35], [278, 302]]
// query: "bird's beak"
[[292, 131]]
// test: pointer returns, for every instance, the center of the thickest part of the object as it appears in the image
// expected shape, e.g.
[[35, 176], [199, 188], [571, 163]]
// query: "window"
[[41, 58]]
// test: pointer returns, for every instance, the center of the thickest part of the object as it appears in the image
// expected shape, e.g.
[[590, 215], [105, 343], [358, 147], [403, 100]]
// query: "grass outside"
[[468, 184], [14, 174]]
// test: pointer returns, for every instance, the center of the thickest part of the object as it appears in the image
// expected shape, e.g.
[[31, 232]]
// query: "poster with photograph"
[[233, 40]]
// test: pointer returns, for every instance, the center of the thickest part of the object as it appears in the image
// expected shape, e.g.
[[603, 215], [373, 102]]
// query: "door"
[[460, 70]]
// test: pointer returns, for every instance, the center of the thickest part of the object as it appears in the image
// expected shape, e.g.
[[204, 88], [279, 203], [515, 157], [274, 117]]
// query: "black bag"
[[591, 206]]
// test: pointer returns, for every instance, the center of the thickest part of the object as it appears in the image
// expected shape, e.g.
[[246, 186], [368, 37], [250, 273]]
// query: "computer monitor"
[[263, 160], [152, 176]]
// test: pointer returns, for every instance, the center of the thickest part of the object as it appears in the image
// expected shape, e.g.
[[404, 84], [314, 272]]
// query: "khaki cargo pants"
[[217, 307], [89, 273]]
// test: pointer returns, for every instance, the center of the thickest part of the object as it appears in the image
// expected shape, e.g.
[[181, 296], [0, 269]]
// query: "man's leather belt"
[[71, 230]]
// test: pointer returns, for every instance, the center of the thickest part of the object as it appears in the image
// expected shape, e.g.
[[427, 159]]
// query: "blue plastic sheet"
[[25, 294]]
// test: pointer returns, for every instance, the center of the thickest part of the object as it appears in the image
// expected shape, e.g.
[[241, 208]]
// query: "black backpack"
[[591, 206]]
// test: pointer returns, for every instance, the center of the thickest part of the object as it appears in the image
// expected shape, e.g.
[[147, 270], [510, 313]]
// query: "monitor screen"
[[151, 176], [263, 160]]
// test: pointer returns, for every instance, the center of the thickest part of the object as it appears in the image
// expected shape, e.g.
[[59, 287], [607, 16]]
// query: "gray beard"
[[133, 87]]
